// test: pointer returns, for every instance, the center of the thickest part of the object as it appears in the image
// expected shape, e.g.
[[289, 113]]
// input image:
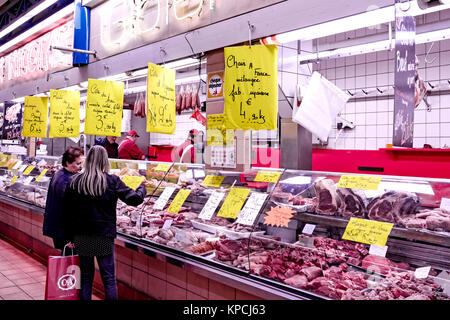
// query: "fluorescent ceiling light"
[[357, 21], [42, 25], [32, 13], [374, 46]]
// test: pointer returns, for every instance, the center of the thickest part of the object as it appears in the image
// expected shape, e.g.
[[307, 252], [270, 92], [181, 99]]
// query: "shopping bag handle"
[[64, 250]]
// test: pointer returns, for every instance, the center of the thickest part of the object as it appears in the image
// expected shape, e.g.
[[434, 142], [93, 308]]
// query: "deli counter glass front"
[[303, 232]]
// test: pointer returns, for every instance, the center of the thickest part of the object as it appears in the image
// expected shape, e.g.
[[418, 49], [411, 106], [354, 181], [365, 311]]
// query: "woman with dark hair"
[[72, 161], [90, 205]]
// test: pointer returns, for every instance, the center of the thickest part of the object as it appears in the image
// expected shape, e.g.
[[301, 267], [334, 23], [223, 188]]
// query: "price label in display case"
[[132, 181], [28, 170], [367, 231], [251, 209], [178, 201], [41, 175], [233, 203], [163, 198], [267, 176], [359, 182], [213, 181], [211, 205], [162, 167]]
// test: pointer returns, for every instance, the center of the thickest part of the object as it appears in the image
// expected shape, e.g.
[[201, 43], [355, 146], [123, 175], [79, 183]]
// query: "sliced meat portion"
[[438, 223], [297, 281], [353, 204], [328, 200], [312, 272], [393, 206]]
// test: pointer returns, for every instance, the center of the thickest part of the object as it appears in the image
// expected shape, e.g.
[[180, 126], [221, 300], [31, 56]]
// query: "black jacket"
[[53, 216], [87, 215]]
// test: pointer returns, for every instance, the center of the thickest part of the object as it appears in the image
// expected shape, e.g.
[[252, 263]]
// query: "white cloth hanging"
[[321, 102]]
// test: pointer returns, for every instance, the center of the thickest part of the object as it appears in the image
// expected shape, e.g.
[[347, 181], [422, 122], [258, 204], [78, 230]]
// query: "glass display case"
[[288, 230]]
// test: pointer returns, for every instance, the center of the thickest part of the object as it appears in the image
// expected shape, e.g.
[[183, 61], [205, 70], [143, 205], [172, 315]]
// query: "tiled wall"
[[374, 116]]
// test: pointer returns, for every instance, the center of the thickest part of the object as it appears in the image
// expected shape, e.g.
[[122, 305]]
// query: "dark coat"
[[53, 216], [88, 215]]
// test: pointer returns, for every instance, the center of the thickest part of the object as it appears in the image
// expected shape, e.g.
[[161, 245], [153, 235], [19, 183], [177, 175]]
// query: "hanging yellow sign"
[[359, 182], [217, 134], [161, 117], [64, 113], [35, 117], [367, 231], [104, 108], [178, 201], [233, 203], [251, 87], [132, 181]]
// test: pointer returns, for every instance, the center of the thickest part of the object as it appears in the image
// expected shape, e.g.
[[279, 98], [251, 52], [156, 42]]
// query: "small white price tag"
[[445, 203], [251, 209], [211, 205], [308, 228], [377, 250], [167, 224], [163, 198], [17, 165], [22, 168], [212, 239], [142, 166], [422, 273], [28, 180]]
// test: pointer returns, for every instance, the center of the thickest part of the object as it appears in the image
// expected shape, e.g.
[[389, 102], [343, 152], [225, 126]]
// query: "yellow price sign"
[[267, 176], [359, 182], [213, 181], [132, 181], [28, 170], [35, 117], [104, 106], [233, 203], [367, 231], [41, 175], [217, 134], [178, 201], [64, 113], [14, 179], [163, 167], [161, 116], [251, 86]]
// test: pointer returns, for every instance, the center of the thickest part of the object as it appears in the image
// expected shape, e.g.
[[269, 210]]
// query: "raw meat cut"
[[352, 203], [393, 206], [297, 281], [328, 200]]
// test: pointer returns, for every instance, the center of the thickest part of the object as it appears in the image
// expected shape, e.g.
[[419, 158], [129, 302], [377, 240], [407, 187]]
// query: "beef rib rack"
[[393, 206], [328, 200]]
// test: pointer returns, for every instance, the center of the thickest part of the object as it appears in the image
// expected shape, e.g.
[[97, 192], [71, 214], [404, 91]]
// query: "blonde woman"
[[90, 223]]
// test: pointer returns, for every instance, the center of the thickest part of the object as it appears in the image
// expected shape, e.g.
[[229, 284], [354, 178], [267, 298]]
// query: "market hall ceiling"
[[11, 11]]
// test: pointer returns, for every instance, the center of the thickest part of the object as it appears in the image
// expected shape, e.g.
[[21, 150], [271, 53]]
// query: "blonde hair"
[[92, 181]]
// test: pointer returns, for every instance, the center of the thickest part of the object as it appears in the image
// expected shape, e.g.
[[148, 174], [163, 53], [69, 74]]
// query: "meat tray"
[[229, 233]]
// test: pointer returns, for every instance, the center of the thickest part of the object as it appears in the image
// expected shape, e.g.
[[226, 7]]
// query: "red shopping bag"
[[63, 277]]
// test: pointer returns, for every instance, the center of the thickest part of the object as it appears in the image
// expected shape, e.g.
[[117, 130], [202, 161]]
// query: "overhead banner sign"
[[104, 106], [251, 87], [161, 99], [64, 113], [404, 77], [35, 117], [12, 120]]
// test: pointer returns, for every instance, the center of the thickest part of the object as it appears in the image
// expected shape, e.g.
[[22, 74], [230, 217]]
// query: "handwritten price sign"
[[161, 99], [178, 201], [28, 170], [41, 175], [217, 134], [64, 113], [251, 87], [267, 176], [162, 167], [233, 203], [104, 108], [367, 231], [132, 181], [35, 117], [359, 182], [213, 181]]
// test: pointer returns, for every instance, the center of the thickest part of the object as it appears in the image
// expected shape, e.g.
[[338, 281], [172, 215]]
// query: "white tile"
[[371, 144], [382, 118], [360, 106], [360, 58], [391, 65], [382, 66], [418, 142], [371, 81], [445, 142], [331, 74], [289, 83], [445, 115], [445, 72], [350, 60], [360, 119], [350, 117], [434, 142], [419, 130], [350, 83], [382, 55], [340, 62], [381, 142], [360, 144], [382, 79], [433, 60], [340, 143], [360, 82], [419, 116], [432, 130], [350, 107], [371, 118], [382, 105], [350, 144], [382, 131], [445, 129], [370, 57], [371, 131], [420, 48], [432, 74], [340, 73], [391, 105], [341, 83], [445, 57], [371, 106], [391, 118], [289, 60], [371, 68], [360, 131], [433, 115], [331, 63], [360, 70], [350, 71], [445, 45]]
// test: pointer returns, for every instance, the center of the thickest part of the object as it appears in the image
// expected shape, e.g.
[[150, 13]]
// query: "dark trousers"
[[106, 266]]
